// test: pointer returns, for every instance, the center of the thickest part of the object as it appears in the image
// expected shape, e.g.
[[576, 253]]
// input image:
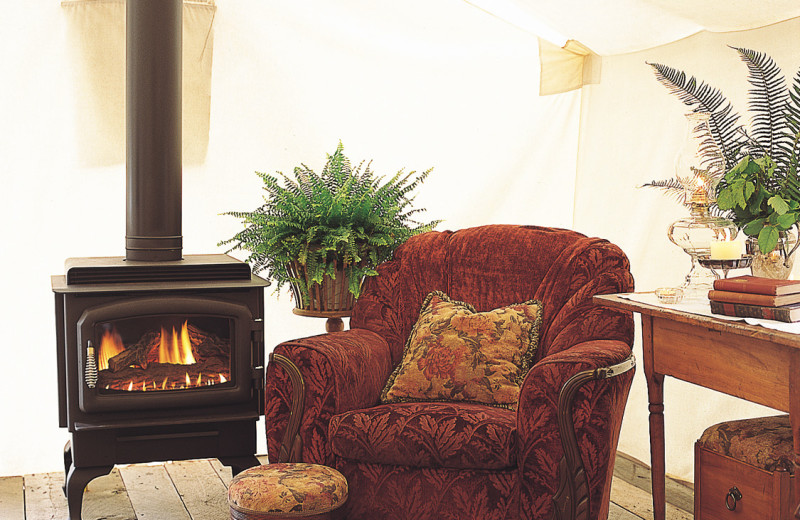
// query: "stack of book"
[[755, 297]]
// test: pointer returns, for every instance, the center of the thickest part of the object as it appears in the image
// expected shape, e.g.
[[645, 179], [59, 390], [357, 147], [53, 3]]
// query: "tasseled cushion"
[[290, 490]]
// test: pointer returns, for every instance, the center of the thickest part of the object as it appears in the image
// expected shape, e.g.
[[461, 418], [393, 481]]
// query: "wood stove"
[[160, 355], [155, 368]]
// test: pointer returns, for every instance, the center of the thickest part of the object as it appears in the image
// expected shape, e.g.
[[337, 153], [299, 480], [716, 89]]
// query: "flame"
[[186, 382], [110, 345], [176, 348]]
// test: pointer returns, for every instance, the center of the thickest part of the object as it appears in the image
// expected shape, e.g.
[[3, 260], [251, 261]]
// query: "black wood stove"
[[160, 356], [161, 363]]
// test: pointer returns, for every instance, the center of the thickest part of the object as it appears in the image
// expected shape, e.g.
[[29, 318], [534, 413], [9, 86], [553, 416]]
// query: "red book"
[[753, 299], [758, 285], [787, 313]]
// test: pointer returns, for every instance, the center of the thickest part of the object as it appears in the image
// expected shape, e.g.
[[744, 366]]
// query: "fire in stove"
[[162, 357], [110, 346], [171, 349]]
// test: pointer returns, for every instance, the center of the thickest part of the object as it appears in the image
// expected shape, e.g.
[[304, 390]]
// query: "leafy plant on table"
[[764, 204], [759, 186], [341, 220]]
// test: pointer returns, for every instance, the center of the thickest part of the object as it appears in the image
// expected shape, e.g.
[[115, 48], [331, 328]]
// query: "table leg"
[[655, 395], [794, 417]]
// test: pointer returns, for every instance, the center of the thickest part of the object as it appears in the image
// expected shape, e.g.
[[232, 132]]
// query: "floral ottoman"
[[286, 490], [744, 469]]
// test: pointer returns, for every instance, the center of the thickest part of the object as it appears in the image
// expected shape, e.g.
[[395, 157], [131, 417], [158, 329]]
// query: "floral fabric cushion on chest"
[[455, 353]]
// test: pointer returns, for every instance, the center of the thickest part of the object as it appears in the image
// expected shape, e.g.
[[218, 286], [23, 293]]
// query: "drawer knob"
[[733, 496]]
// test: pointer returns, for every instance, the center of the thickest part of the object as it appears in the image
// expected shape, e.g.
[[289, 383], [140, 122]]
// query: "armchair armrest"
[[339, 371], [572, 499], [594, 418]]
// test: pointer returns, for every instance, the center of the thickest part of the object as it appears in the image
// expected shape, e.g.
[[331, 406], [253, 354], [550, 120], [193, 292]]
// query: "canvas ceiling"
[[414, 84], [622, 26]]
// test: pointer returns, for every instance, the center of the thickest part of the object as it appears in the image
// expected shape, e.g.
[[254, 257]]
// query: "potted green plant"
[[323, 233], [764, 200], [758, 185]]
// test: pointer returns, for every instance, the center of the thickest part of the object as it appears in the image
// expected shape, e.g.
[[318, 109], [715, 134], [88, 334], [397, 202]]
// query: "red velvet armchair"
[[551, 458]]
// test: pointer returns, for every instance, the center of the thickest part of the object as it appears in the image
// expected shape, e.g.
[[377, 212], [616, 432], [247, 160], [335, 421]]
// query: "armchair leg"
[[571, 501], [292, 445]]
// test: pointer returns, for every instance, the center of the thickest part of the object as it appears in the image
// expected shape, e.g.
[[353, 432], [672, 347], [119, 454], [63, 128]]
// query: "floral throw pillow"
[[455, 353]]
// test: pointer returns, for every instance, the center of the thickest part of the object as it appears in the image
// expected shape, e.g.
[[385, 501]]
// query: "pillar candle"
[[726, 250]]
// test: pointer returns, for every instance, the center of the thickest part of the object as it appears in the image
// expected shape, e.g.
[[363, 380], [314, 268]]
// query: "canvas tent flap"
[[96, 41], [566, 68]]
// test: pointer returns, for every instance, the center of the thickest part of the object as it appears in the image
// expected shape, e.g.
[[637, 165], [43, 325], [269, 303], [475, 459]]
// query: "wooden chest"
[[743, 470]]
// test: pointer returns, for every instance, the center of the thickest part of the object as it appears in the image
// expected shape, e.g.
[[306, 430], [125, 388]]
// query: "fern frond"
[[767, 101], [672, 187], [723, 123], [793, 126]]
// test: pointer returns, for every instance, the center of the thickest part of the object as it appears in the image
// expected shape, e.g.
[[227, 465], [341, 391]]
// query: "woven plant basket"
[[331, 299]]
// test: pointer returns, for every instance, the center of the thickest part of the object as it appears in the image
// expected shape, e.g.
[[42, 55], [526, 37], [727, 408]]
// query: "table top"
[[730, 326]]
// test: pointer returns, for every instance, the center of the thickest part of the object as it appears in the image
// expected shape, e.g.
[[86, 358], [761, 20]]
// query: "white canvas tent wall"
[[413, 84]]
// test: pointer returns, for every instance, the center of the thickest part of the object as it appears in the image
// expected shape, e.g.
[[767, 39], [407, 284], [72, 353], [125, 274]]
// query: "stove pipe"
[[153, 129]]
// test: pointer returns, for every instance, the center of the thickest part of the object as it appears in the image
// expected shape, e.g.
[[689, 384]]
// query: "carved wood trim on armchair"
[[571, 501], [292, 444]]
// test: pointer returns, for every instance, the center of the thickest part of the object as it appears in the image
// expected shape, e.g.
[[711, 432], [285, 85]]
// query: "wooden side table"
[[750, 362]]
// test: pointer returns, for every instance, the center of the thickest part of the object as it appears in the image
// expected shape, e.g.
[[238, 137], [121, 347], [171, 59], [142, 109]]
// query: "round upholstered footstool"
[[283, 491]]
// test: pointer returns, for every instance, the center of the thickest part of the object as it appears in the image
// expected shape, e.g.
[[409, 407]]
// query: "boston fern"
[[760, 187], [341, 219]]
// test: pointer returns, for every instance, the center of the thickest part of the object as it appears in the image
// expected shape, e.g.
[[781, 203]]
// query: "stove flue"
[[153, 129]]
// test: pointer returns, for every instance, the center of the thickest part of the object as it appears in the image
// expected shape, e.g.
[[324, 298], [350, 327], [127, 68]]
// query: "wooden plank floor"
[[195, 490]]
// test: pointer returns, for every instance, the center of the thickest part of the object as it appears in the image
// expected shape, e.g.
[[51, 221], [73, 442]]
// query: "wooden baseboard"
[[680, 493]]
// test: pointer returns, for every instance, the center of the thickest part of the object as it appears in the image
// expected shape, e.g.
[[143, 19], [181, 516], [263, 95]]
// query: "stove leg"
[[67, 464], [76, 481], [239, 464]]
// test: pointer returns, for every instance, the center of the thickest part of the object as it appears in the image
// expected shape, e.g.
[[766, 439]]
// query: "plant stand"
[[334, 322], [331, 299]]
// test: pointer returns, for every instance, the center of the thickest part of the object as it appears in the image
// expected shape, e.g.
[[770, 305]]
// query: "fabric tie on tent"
[[566, 68]]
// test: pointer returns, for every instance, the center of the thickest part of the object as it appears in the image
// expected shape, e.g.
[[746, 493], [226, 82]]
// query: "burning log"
[[136, 354], [208, 345], [167, 376], [149, 350]]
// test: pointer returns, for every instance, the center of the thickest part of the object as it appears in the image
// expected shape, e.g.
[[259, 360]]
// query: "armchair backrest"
[[497, 265]]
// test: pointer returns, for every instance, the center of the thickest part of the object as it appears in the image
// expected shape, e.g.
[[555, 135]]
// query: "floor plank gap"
[[200, 488], [44, 498]]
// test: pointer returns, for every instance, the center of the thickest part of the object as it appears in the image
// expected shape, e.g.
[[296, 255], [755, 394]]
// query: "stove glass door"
[[163, 352]]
